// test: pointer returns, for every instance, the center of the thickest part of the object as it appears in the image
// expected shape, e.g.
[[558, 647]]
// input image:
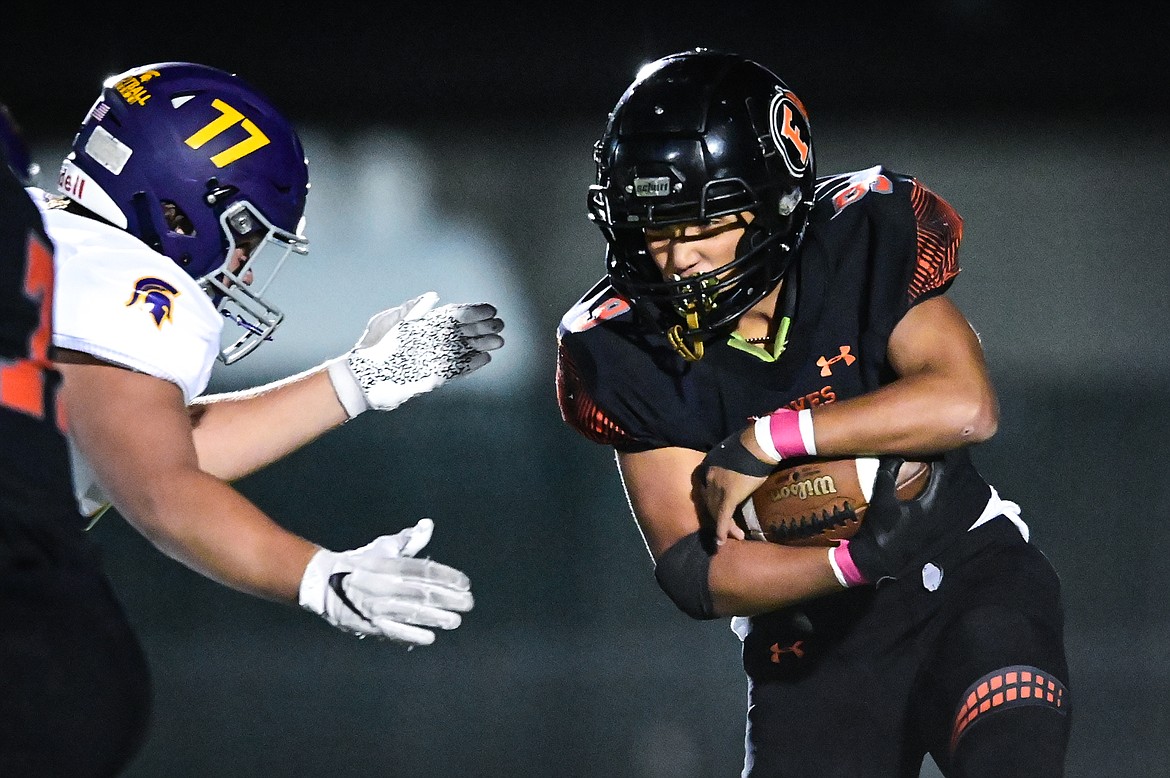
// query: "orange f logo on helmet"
[[790, 132]]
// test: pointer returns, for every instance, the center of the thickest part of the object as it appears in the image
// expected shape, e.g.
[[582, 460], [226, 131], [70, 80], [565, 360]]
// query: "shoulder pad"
[[601, 303], [837, 192]]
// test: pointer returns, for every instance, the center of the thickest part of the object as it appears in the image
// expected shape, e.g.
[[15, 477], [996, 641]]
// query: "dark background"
[[514, 63], [1044, 125]]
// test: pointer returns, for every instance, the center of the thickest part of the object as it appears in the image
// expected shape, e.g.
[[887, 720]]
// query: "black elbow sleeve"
[[682, 573]]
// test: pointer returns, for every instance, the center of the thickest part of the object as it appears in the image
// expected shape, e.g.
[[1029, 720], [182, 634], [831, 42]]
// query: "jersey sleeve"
[[916, 256], [939, 230], [887, 243], [146, 315], [912, 251], [603, 389], [579, 408], [35, 477]]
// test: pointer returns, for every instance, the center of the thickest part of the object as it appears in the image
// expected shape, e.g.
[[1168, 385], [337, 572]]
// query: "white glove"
[[381, 590], [412, 349]]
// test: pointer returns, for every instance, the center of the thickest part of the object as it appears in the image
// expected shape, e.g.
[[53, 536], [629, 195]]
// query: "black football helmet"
[[697, 135]]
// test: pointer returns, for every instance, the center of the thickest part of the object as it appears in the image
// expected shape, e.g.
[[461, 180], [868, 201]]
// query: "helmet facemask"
[[710, 304], [238, 288], [699, 307]]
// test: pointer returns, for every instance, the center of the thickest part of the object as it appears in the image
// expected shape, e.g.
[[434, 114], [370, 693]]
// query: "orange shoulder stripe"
[[940, 229]]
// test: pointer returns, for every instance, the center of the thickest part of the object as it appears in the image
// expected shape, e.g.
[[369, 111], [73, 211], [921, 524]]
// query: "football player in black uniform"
[[753, 313], [74, 684]]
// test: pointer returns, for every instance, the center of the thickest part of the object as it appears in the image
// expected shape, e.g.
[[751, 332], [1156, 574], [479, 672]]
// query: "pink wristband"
[[786, 433], [842, 563]]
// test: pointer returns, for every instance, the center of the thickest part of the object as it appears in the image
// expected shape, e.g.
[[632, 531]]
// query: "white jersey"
[[123, 302]]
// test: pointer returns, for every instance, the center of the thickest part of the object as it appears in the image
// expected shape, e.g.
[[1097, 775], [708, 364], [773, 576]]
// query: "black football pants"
[[75, 689], [965, 662]]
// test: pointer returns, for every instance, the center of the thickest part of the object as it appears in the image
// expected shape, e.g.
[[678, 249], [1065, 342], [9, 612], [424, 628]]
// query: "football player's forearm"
[[943, 398], [211, 528], [750, 577], [237, 434], [921, 414]]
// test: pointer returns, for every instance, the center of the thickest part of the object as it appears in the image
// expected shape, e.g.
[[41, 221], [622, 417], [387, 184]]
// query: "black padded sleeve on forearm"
[[681, 572]]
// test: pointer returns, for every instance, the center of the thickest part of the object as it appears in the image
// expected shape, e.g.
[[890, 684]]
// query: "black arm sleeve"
[[682, 573]]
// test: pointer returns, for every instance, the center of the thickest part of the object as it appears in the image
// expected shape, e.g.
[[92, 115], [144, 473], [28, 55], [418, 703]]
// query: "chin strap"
[[691, 349]]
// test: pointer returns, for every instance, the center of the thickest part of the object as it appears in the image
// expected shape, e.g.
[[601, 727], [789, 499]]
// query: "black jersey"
[[76, 684], [35, 478], [877, 244]]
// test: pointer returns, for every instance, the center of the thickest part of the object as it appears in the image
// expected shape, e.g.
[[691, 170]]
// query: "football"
[[820, 501]]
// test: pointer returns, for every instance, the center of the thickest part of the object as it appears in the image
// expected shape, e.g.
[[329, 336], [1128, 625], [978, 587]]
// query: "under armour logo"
[[795, 649], [825, 364]]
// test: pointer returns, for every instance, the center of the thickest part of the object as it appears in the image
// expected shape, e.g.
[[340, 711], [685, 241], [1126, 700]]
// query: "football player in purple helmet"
[[182, 195], [197, 165]]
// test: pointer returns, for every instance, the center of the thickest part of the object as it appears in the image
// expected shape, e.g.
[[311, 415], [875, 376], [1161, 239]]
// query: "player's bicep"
[[935, 336], [660, 490], [935, 347], [132, 428]]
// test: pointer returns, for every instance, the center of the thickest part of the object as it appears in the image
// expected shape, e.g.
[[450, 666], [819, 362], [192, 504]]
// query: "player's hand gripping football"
[[896, 535], [728, 476], [412, 349], [382, 590]]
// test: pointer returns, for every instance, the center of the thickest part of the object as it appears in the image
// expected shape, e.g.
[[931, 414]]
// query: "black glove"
[[898, 536], [890, 535]]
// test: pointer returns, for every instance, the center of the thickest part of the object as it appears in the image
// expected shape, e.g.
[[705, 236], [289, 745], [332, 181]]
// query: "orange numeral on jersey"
[[859, 189], [230, 118], [22, 385], [614, 306]]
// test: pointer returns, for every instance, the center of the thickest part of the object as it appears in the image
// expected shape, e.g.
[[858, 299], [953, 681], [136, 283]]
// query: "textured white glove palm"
[[381, 590], [413, 349]]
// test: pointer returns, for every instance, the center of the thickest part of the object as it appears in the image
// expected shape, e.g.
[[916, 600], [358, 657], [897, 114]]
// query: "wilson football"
[[820, 501]]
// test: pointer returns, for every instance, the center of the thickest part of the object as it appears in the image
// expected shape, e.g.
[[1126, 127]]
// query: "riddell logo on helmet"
[[71, 182]]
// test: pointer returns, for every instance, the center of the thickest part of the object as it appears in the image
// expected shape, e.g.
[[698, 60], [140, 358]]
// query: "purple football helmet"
[[13, 149], [203, 147]]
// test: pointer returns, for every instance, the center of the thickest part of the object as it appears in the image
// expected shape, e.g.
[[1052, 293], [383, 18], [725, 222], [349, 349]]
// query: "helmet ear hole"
[[176, 220]]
